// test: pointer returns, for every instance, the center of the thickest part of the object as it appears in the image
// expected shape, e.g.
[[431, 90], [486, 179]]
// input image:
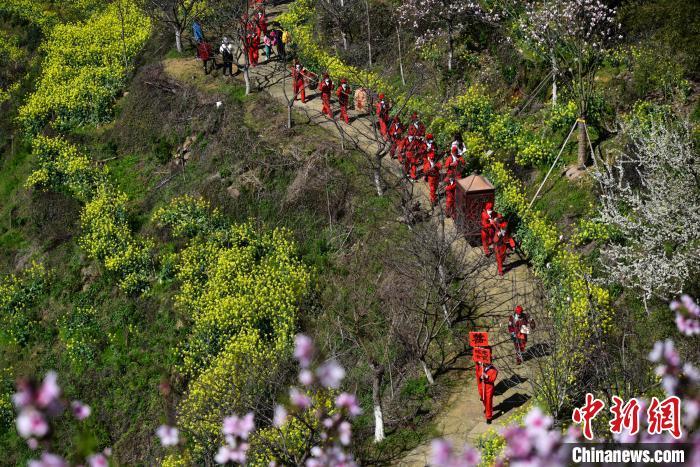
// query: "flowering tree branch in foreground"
[[328, 422]]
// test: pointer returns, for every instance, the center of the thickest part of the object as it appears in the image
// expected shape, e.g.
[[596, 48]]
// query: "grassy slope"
[[128, 343]]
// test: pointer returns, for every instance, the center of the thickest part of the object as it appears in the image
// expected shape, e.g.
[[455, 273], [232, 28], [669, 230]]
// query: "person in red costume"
[[454, 163], [430, 146], [486, 375], [431, 172], [382, 111], [254, 49], [299, 82], [489, 221], [343, 94], [416, 128], [401, 147], [261, 22], [450, 188], [409, 151], [417, 158], [503, 243], [519, 327], [326, 89], [395, 136]]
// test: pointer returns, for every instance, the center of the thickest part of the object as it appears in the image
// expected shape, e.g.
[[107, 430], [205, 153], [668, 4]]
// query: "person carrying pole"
[[431, 173], [343, 94], [454, 163], [486, 375], [489, 222], [326, 89], [416, 128], [382, 111], [299, 82], [519, 327], [450, 188], [503, 243], [414, 158], [395, 136]]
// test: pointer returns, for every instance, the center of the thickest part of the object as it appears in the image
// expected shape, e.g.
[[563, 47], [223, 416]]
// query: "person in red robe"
[[519, 326], [431, 172], [450, 188], [409, 153], [382, 112], [416, 128], [489, 221], [343, 94], [326, 88], [454, 163], [261, 22], [503, 243], [486, 375], [299, 82], [395, 136]]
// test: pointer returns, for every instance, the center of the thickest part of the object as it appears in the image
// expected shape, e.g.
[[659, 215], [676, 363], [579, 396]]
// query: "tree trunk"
[[289, 116], [377, 376], [246, 78], [246, 67], [428, 374], [554, 80], [582, 144], [369, 34], [398, 37], [178, 40], [378, 175], [343, 34], [450, 51]]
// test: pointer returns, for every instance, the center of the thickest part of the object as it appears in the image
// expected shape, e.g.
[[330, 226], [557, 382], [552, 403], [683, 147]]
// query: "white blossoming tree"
[[651, 193], [436, 19], [575, 36]]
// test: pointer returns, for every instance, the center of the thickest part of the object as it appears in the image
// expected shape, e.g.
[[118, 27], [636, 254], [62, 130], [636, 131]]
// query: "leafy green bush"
[[61, 167], [107, 236], [562, 116], [241, 289], [188, 217], [86, 66], [18, 294], [78, 333]]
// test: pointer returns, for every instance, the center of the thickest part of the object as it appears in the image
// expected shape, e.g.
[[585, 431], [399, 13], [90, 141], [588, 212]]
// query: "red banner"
[[481, 355], [479, 339]]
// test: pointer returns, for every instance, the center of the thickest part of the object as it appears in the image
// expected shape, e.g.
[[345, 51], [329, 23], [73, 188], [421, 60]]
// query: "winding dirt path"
[[461, 418]]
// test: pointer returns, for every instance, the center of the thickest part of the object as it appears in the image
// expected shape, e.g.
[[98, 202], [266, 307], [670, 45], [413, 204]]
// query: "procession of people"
[[415, 150]]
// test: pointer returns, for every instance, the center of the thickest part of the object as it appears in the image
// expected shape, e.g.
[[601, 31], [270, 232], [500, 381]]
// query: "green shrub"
[[86, 67], [78, 332], [107, 236], [18, 294]]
